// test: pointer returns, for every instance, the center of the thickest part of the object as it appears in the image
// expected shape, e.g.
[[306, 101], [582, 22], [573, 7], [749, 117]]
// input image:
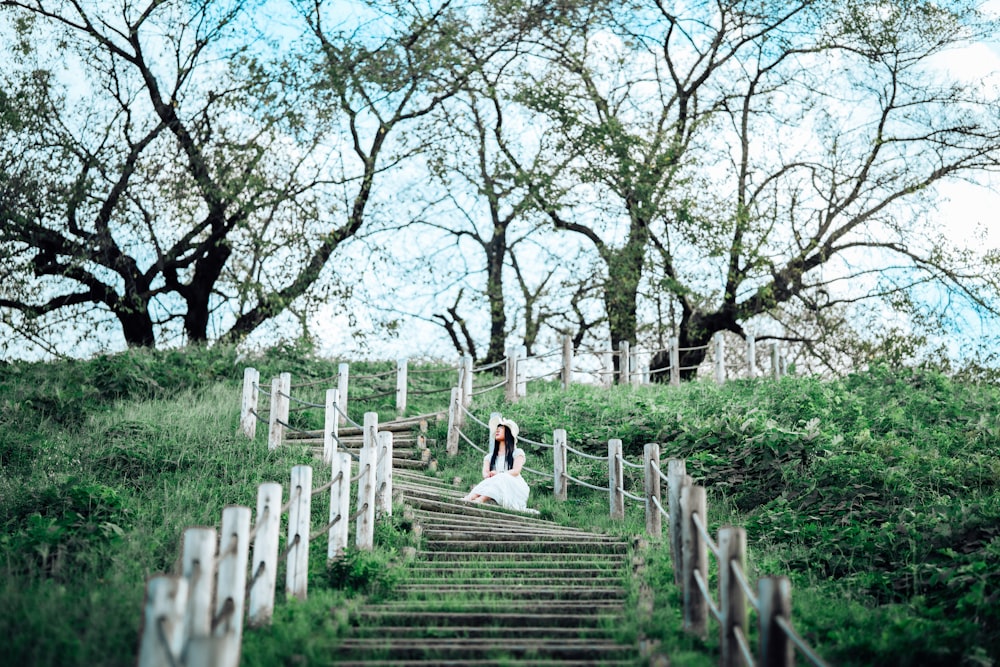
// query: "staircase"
[[492, 587], [409, 442]]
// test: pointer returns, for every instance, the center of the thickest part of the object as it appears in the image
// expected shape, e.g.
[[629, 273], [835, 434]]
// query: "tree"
[[762, 152]]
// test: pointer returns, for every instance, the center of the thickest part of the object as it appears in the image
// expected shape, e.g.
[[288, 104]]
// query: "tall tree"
[[760, 150]]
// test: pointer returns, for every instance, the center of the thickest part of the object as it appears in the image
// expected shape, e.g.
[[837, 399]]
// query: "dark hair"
[[508, 439]]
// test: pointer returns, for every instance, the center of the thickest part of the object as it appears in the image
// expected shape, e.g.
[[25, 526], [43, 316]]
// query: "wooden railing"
[[194, 617]]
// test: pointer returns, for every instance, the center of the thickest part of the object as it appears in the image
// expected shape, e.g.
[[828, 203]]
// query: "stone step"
[[514, 646], [541, 616], [488, 662], [509, 590], [474, 631], [425, 571], [527, 558], [447, 533], [539, 545]]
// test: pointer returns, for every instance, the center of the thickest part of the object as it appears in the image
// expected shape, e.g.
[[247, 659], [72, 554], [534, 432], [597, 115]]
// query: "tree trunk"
[[496, 250]]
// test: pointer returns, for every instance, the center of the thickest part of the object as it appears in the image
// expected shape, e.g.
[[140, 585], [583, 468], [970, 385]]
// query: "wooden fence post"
[[676, 478], [635, 372], [198, 567], [651, 477], [281, 388], [732, 599], [775, 366], [522, 371], [695, 557], [383, 474], [720, 358], [567, 362], [401, 372], [264, 563], [163, 621], [510, 368], [467, 378], [751, 356], [299, 525], [340, 504], [675, 362], [364, 533], [774, 594], [624, 361], [230, 597], [330, 425], [343, 377], [559, 463], [615, 478], [454, 409], [248, 405]]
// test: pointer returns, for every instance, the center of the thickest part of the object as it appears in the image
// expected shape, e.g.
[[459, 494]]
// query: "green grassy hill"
[[877, 493]]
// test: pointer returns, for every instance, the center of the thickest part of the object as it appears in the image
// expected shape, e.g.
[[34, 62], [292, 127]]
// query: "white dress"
[[509, 491]]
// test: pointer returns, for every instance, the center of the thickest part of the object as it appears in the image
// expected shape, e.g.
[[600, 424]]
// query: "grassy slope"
[[876, 493]]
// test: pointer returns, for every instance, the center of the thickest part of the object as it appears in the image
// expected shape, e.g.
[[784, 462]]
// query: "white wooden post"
[[676, 477], [383, 474], [608, 368], [510, 389], [343, 377], [365, 527], [401, 372], [466, 385], [695, 557], [567, 362], [330, 428], [274, 428], [299, 525], [163, 626], [230, 597], [559, 481], [720, 358], [248, 405], [198, 567], [635, 373], [775, 597], [624, 361], [340, 504], [454, 409], [615, 478], [210, 652], [522, 371], [783, 365], [264, 563], [751, 356], [675, 362], [654, 520], [775, 365], [732, 599]]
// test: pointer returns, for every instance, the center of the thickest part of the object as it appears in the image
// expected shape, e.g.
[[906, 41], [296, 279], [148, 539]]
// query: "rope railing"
[[583, 483], [799, 643], [484, 390], [713, 608], [585, 454], [746, 653], [372, 397], [535, 442], [426, 371], [471, 444], [709, 542], [489, 367], [346, 417], [741, 579], [629, 495], [333, 379], [374, 376], [628, 464], [473, 417], [532, 378], [325, 529]]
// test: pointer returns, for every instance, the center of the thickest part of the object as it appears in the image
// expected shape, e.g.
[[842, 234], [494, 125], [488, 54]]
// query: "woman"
[[502, 482]]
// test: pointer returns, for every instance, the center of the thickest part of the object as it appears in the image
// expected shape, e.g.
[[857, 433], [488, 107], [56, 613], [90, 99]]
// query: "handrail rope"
[[361, 473], [261, 390], [313, 383], [372, 397], [253, 529], [557, 371], [420, 371], [288, 549], [655, 465], [586, 371], [474, 418], [712, 546], [627, 463], [490, 366], [691, 349], [800, 643], [228, 609], [657, 351], [305, 403], [744, 584], [585, 455], [287, 506], [358, 513], [535, 442], [537, 472], [557, 350], [744, 646], [262, 420], [161, 634], [654, 371], [374, 376], [426, 392], [352, 455], [583, 483], [294, 428], [381, 456], [325, 529], [703, 587], [230, 550], [688, 368], [656, 501], [345, 416], [629, 495], [490, 388], [320, 489], [472, 444]]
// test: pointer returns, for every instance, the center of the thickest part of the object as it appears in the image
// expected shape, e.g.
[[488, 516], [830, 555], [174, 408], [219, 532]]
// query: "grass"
[[876, 493]]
